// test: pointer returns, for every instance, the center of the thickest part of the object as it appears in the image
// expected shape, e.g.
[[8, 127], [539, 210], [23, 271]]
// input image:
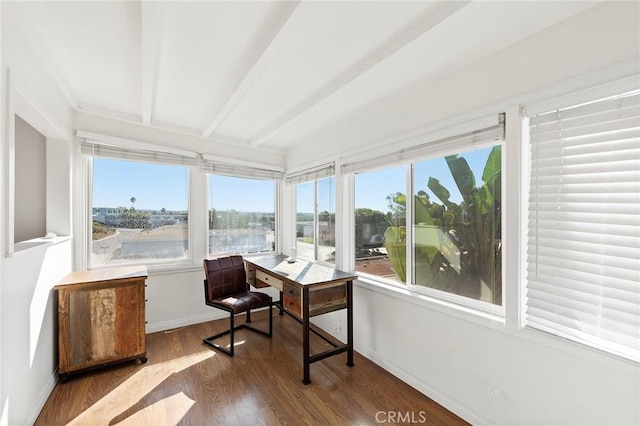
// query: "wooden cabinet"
[[101, 318]]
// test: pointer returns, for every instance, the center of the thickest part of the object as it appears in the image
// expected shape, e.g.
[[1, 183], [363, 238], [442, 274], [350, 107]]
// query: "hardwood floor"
[[185, 382]]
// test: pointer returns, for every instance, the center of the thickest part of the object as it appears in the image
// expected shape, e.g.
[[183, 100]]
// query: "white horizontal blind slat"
[[428, 149], [583, 249], [101, 149], [239, 170], [313, 173]]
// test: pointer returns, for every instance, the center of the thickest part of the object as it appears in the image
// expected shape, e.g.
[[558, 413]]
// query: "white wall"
[[29, 311], [491, 371], [30, 182], [28, 308], [176, 299], [59, 190]]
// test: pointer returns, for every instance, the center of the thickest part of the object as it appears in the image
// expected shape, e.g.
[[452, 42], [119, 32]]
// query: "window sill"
[[159, 268], [26, 246]]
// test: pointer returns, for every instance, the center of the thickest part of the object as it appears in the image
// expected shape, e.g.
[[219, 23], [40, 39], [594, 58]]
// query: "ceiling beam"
[[150, 28], [257, 61], [108, 113], [401, 38]]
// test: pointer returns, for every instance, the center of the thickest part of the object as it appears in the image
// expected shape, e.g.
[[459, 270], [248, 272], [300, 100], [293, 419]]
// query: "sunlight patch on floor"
[[136, 388], [168, 411]]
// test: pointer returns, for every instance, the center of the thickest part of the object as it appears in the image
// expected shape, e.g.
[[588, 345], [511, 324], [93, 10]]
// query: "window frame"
[[315, 218], [468, 302], [277, 231], [496, 312], [154, 265]]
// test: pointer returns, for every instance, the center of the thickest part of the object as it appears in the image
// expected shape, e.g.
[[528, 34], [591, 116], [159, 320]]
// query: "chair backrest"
[[225, 276]]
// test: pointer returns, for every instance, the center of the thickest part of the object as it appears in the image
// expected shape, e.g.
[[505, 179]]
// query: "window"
[[326, 220], [445, 239], [380, 223], [316, 219], [457, 224], [583, 260], [241, 215], [139, 212]]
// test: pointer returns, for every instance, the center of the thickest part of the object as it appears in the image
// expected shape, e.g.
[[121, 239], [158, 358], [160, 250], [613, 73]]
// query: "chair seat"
[[242, 302]]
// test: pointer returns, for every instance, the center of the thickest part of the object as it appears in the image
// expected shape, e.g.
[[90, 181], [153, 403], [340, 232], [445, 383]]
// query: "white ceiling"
[[265, 73]]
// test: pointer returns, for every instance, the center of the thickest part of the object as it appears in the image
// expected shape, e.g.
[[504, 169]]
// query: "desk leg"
[[350, 323], [281, 303], [305, 336]]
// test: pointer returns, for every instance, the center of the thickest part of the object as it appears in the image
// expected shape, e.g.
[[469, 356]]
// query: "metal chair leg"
[[210, 340]]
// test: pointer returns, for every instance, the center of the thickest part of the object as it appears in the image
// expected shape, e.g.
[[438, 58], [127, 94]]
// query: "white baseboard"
[[425, 388], [183, 322], [42, 398], [215, 314]]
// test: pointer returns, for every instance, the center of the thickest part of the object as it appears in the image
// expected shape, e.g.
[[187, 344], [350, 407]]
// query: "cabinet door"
[[101, 325]]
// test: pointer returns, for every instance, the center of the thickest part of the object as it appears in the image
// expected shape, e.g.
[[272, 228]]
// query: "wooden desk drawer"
[[268, 279], [327, 299], [321, 300], [251, 277], [292, 300]]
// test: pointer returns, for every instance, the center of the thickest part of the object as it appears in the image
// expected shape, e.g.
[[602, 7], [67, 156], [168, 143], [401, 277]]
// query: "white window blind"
[[235, 169], [583, 277], [314, 173], [137, 152], [428, 149]]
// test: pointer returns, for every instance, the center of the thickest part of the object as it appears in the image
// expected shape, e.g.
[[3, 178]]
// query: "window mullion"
[[409, 225], [316, 226]]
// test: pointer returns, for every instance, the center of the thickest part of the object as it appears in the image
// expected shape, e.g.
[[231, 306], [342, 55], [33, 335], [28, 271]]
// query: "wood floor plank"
[[186, 382]]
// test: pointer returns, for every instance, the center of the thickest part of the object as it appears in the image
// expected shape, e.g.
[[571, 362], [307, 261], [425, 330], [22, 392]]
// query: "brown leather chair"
[[226, 288]]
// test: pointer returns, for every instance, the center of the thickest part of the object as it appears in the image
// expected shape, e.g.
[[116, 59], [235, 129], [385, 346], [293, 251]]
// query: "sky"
[[153, 185], [157, 186], [372, 188]]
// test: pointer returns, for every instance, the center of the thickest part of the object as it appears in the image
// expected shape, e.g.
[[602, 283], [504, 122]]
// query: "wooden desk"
[[308, 289], [101, 318]]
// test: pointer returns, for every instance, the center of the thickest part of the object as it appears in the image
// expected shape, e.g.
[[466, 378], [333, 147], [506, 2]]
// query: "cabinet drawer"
[[321, 299], [327, 299], [292, 300], [251, 277], [268, 279]]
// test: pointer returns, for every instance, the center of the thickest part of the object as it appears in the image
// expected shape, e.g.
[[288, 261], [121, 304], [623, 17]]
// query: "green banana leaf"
[[395, 242], [462, 174]]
